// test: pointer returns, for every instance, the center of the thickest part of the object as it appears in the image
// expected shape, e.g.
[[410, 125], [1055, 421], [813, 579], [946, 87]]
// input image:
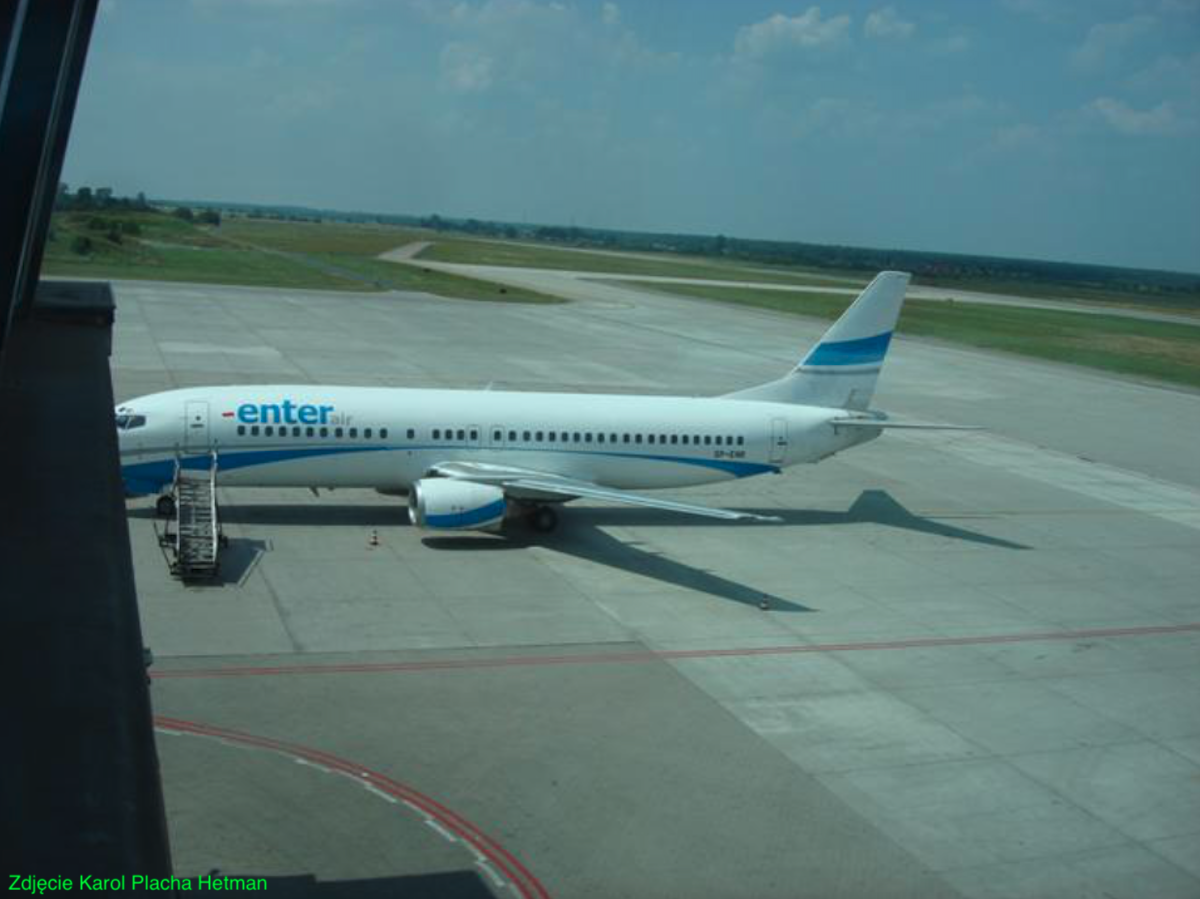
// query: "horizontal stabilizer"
[[888, 423]]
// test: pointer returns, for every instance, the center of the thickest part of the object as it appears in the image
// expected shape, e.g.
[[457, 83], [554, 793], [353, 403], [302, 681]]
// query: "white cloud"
[[781, 33], [886, 23], [465, 68], [1020, 136], [1170, 74], [1107, 39], [1123, 118], [610, 14]]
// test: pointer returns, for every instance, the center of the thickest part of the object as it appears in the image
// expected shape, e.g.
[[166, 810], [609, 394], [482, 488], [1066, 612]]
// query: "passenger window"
[[600, 438], [254, 430], [437, 434], [674, 439], [354, 432], [539, 436], [268, 430], [707, 440], [685, 439], [383, 433], [241, 430], [474, 435], [512, 436], [525, 436], [367, 433], [309, 431], [337, 432], [718, 439], [624, 438], [587, 436], [741, 440], [497, 436], [324, 432], [552, 436], [637, 438], [576, 437], [296, 431], [462, 435], [411, 433]]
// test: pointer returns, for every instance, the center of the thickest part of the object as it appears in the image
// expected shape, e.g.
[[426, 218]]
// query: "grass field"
[[169, 249], [1160, 350], [336, 256], [523, 255], [255, 253]]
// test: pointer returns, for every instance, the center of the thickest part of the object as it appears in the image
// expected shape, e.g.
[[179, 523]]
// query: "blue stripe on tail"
[[863, 351]]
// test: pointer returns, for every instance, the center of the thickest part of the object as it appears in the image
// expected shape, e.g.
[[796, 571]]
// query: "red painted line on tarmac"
[[513, 870], [668, 655]]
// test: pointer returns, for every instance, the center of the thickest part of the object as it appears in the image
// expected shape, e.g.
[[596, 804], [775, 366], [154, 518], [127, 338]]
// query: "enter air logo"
[[288, 413]]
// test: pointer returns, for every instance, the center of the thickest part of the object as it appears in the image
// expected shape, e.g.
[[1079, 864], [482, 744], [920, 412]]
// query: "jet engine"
[[447, 504]]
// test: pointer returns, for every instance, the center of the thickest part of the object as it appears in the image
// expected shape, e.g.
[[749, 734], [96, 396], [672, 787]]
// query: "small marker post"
[[374, 541]]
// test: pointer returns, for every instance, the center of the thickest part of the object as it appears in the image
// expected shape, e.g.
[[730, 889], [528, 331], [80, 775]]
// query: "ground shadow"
[[871, 507], [580, 538], [305, 514], [238, 558]]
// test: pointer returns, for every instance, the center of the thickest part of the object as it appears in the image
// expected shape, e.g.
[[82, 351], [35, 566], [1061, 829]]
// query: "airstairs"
[[195, 545]]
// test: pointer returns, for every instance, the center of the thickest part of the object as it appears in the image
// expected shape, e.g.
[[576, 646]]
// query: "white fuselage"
[[385, 438]]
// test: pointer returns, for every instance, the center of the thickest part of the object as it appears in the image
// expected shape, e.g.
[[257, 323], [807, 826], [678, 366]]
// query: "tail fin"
[[841, 370]]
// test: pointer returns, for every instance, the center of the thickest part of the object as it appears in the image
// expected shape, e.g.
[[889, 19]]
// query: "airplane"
[[474, 459]]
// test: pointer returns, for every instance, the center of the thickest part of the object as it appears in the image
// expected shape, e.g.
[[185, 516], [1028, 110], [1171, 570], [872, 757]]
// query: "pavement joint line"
[[645, 656], [438, 816]]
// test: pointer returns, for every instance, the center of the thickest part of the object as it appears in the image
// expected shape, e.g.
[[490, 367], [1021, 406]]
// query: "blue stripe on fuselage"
[[148, 477], [850, 352]]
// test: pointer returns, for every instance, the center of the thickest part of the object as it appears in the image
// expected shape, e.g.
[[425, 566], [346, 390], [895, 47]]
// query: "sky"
[[1046, 129]]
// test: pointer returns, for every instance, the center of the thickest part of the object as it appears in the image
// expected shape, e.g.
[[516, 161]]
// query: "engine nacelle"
[[445, 504]]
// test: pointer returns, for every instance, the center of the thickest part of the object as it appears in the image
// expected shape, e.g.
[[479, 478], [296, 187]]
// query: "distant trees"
[[209, 217], [85, 199], [183, 212]]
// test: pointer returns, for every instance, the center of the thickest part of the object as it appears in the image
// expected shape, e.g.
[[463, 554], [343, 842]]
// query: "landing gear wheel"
[[165, 506], [543, 519]]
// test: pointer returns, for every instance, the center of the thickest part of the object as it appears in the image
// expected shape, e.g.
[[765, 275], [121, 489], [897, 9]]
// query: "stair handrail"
[[178, 504], [212, 498]]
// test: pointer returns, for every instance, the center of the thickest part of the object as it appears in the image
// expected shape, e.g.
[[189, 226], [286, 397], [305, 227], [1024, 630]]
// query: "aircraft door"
[[496, 437], [195, 426], [779, 440]]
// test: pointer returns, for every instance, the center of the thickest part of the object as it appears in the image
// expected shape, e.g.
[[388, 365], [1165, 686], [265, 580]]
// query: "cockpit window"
[[127, 421]]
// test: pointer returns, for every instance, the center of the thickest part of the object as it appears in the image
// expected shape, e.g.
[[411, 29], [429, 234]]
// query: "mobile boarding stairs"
[[193, 547]]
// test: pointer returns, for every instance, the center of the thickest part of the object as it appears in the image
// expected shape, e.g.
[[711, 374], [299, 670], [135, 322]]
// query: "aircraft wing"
[[521, 483]]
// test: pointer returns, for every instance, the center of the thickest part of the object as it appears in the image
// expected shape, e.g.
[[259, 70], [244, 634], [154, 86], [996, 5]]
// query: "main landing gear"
[[164, 506], [543, 519]]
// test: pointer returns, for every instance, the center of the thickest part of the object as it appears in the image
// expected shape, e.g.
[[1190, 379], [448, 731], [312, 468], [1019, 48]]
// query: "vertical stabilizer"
[[841, 370]]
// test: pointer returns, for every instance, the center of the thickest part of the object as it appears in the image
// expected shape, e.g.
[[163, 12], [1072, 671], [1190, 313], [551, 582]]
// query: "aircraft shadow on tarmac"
[[583, 537]]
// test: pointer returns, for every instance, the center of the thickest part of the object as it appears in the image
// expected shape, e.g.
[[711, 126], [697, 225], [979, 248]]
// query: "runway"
[[979, 675]]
